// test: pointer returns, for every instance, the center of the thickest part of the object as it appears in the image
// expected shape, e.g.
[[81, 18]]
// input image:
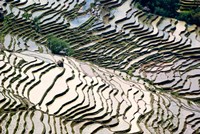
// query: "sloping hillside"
[[130, 71]]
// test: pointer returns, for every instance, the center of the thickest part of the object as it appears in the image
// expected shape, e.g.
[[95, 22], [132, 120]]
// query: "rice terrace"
[[99, 66]]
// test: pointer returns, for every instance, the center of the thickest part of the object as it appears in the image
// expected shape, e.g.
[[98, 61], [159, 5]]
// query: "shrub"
[[36, 23], [58, 46], [139, 6], [192, 16], [184, 16], [195, 14], [26, 15], [7, 20], [161, 11]]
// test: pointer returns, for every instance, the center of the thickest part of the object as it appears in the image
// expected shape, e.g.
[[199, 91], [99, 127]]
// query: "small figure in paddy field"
[[60, 63]]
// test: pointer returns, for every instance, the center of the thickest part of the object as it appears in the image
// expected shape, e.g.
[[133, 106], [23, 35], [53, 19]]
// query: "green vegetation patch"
[[58, 46], [169, 8], [26, 15], [166, 8]]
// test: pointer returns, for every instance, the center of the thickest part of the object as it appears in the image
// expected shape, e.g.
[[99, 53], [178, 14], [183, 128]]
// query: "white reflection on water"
[[87, 5], [79, 20]]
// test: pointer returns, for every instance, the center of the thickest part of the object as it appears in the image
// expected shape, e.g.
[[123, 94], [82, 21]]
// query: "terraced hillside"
[[40, 97], [131, 71], [188, 4]]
